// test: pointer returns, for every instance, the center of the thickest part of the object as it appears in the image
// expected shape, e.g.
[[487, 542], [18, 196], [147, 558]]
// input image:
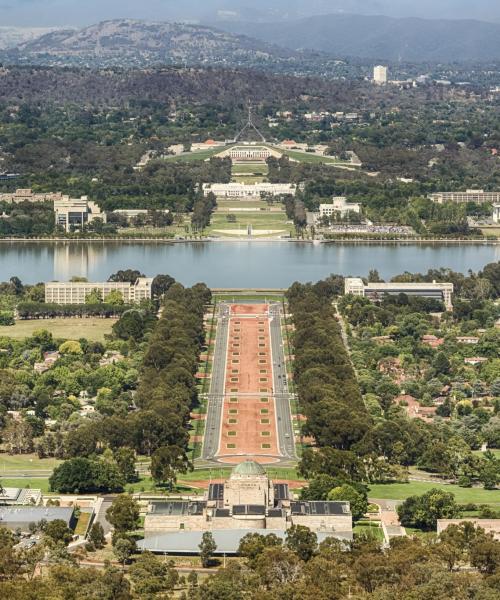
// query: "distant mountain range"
[[131, 43], [293, 45], [12, 36], [384, 38]]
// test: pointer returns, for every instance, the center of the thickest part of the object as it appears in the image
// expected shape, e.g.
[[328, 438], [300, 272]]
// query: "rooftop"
[[248, 468], [227, 540]]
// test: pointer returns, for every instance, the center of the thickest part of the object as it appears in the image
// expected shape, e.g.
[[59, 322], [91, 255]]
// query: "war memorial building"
[[248, 502]]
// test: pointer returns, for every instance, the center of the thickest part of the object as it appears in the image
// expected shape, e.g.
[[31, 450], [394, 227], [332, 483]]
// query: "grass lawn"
[[259, 220], [313, 158], [259, 168], [198, 155], [491, 231], [229, 205], [230, 297], [83, 523], [71, 329], [35, 483], [401, 491], [369, 528], [494, 451], [25, 463]]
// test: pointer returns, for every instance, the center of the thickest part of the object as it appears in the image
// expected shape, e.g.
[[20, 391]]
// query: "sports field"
[[249, 415], [70, 329]]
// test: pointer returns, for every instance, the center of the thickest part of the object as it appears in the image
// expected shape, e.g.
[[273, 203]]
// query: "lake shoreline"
[[355, 241]]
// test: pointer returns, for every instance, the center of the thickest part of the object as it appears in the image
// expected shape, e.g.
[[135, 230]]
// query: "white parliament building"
[[255, 190]]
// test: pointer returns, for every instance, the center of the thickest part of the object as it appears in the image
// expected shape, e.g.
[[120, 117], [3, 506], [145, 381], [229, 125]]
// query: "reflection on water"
[[232, 264]]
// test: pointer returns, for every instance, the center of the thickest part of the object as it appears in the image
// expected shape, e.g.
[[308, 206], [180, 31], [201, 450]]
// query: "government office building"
[[75, 292], [476, 196], [241, 190], [376, 291]]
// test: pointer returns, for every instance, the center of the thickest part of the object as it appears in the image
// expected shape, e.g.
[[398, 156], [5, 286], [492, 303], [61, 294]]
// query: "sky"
[[46, 13]]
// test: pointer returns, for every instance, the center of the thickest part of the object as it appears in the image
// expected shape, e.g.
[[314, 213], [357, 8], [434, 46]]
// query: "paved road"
[[284, 423], [213, 422]]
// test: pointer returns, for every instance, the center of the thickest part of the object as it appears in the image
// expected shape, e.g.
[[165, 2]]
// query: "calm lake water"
[[232, 264]]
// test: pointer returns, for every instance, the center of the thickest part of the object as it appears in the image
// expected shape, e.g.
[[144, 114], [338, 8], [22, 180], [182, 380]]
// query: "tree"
[[161, 284], [94, 297], [130, 325], [70, 347], [152, 576], [207, 548], [123, 549], [319, 487], [58, 531], [123, 513], [96, 536], [83, 475], [302, 541], [129, 275], [485, 555], [253, 544], [166, 462], [357, 501], [442, 364], [115, 298], [125, 459], [422, 512]]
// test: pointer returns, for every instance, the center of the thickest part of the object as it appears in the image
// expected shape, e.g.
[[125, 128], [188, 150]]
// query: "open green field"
[[258, 168], [247, 179], [401, 491], [259, 220], [193, 156], [256, 205], [35, 483], [491, 231], [309, 157], [25, 463], [71, 329]]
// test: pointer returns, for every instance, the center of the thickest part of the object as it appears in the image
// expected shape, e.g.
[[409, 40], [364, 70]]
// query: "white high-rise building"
[[380, 74]]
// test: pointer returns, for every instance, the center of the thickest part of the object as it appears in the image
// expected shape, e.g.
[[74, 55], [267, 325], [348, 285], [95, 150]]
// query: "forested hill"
[[223, 87], [131, 43], [384, 38]]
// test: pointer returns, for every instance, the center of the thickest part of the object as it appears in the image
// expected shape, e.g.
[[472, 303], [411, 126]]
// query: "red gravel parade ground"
[[249, 415]]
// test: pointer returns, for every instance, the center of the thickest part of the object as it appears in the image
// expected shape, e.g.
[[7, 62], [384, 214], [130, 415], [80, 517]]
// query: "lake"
[[232, 264]]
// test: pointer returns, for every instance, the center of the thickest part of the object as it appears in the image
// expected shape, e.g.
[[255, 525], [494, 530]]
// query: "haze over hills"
[[12, 36], [379, 37], [78, 13], [293, 46], [127, 42]]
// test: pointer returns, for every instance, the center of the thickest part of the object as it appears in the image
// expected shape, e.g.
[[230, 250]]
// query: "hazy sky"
[[85, 12]]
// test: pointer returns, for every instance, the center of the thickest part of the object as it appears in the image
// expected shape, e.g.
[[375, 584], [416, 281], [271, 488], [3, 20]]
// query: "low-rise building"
[[131, 213], [20, 496], [74, 214], [256, 190], [496, 213], [376, 291], [75, 292], [489, 525], [467, 339], [476, 196], [248, 501], [475, 360], [340, 205], [27, 195], [21, 517]]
